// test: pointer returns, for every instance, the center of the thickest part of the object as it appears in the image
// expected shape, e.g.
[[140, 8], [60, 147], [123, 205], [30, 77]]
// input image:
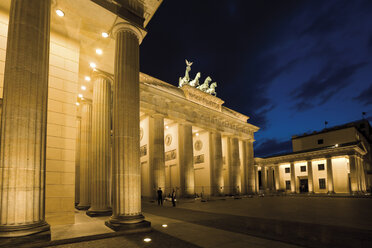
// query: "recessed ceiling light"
[[77, 104], [197, 134], [93, 65], [60, 13], [147, 240], [166, 127], [83, 87], [105, 35], [80, 95], [99, 51], [87, 78]]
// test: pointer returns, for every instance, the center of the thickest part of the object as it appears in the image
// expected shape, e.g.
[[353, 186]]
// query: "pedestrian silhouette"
[[160, 196], [174, 198]]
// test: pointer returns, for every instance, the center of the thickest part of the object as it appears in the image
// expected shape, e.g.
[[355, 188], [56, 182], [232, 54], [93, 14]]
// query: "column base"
[[17, 235], [330, 193], [82, 207], [311, 193], [97, 213], [129, 224]]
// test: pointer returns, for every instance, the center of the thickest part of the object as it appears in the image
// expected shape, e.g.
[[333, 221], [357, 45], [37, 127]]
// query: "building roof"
[[334, 128]]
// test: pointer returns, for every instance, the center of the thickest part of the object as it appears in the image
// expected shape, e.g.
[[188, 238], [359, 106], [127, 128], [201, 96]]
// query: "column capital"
[[128, 27], [97, 73]]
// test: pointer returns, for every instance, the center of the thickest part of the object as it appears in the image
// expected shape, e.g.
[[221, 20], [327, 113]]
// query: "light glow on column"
[[60, 13]]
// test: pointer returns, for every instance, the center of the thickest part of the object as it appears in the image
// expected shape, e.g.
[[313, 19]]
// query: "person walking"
[[174, 198], [160, 196]]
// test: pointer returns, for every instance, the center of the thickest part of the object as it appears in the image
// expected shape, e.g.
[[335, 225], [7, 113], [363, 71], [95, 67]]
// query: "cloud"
[[365, 96], [322, 86], [272, 146]]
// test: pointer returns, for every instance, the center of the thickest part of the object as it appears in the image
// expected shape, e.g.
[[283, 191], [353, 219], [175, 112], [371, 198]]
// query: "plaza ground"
[[227, 221]]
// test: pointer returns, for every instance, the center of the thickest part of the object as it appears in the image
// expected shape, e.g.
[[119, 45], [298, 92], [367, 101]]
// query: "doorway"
[[304, 187]]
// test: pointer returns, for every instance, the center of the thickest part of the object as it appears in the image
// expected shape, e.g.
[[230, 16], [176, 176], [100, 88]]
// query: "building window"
[[287, 170], [320, 167], [320, 141], [322, 183], [303, 168], [287, 185]]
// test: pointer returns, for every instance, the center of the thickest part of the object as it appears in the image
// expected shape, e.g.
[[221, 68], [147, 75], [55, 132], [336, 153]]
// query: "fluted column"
[[250, 170], [85, 154], [293, 178], [353, 174], [310, 180], [257, 188], [77, 161], [24, 123], [215, 152], [101, 147], [264, 177], [126, 171], [156, 152], [234, 166], [186, 159], [270, 178], [330, 176], [364, 181]]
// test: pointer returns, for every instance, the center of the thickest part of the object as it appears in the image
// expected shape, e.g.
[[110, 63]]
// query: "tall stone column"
[[310, 180], [215, 152], [24, 124], [77, 161], [330, 176], [234, 166], [156, 151], [250, 171], [364, 181], [277, 179], [85, 154], [257, 185], [293, 178], [353, 174], [126, 171], [186, 160], [270, 182], [264, 177], [101, 147]]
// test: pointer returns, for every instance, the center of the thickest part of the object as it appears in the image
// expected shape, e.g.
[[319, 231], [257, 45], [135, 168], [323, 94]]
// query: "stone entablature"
[[311, 155], [202, 98]]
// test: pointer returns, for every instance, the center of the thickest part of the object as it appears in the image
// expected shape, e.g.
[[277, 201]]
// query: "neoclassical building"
[[81, 125], [334, 160]]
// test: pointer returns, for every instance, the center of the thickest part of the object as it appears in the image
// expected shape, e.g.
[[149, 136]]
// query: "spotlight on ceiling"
[[80, 95], [105, 35], [60, 13], [77, 104], [164, 225], [83, 87], [99, 51], [87, 78], [92, 65]]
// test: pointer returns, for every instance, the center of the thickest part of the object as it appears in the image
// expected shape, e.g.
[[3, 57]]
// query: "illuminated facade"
[[335, 160], [81, 125]]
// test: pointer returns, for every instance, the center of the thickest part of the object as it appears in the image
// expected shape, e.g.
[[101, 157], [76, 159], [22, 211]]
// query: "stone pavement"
[[274, 221]]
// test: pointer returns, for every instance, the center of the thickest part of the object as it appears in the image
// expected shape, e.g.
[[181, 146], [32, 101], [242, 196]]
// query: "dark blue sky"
[[289, 65]]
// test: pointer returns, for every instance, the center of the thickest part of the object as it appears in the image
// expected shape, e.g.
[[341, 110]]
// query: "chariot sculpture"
[[205, 87]]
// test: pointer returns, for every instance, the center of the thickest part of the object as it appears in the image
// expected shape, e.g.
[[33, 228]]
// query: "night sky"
[[289, 65]]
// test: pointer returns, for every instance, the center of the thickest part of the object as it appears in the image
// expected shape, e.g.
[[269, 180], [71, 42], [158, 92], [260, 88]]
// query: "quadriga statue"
[[205, 86], [186, 78], [195, 82], [212, 89]]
